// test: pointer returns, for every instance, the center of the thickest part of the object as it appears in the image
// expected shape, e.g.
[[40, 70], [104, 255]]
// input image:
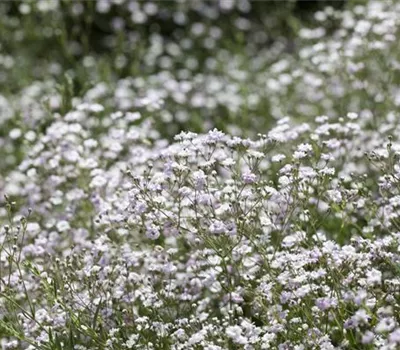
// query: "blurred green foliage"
[[62, 38]]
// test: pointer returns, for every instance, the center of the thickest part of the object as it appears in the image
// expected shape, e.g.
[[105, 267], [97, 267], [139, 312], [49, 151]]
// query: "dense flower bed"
[[121, 231]]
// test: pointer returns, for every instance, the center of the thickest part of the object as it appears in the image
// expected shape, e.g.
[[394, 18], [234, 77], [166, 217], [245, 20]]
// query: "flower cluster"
[[211, 241], [121, 231]]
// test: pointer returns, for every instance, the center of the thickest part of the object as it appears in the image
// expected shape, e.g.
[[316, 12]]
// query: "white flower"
[[214, 136], [332, 143], [152, 231], [327, 171], [63, 226], [98, 181], [200, 179], [299, 155], [217, 227], [394, 337], [197, 337], [367, 337], [15, 133], [385, 325], [352, 116], [304, 147], [361, 317], [335, 196], [249, 178], [374, 276], [235, 333], [72, 156], [278, 157], [255, 154], [284, 181], [131, 341]]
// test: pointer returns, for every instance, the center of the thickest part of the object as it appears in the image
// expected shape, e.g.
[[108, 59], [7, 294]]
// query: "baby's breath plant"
[[213, 241], [169, 185]]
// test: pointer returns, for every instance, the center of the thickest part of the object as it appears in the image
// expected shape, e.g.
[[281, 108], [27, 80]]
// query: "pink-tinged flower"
[[152, 231], [249, 178], [217, 227], [394, 337], [367, 337]]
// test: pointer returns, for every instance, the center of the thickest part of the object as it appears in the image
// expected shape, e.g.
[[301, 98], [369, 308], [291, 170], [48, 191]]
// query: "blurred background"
[[42, 37], [236, 65]]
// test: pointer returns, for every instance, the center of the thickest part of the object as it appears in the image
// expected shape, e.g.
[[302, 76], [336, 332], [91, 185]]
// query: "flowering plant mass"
[[168, 187]]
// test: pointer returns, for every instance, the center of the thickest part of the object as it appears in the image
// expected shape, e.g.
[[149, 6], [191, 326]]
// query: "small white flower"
[[374, 276], [131, 341], [394, 337], [235, 333], [98, 181], [255, 154], [278, 158], [335, 196], [197, 337], [152, 231], [299, 155], [249, 178], [367, 337], [327, 171], [284, 181], [15, 134], [63, 226], [304, 147], [352, 116], [217, 227], [200, 179], [385, 325], [332, 143]]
